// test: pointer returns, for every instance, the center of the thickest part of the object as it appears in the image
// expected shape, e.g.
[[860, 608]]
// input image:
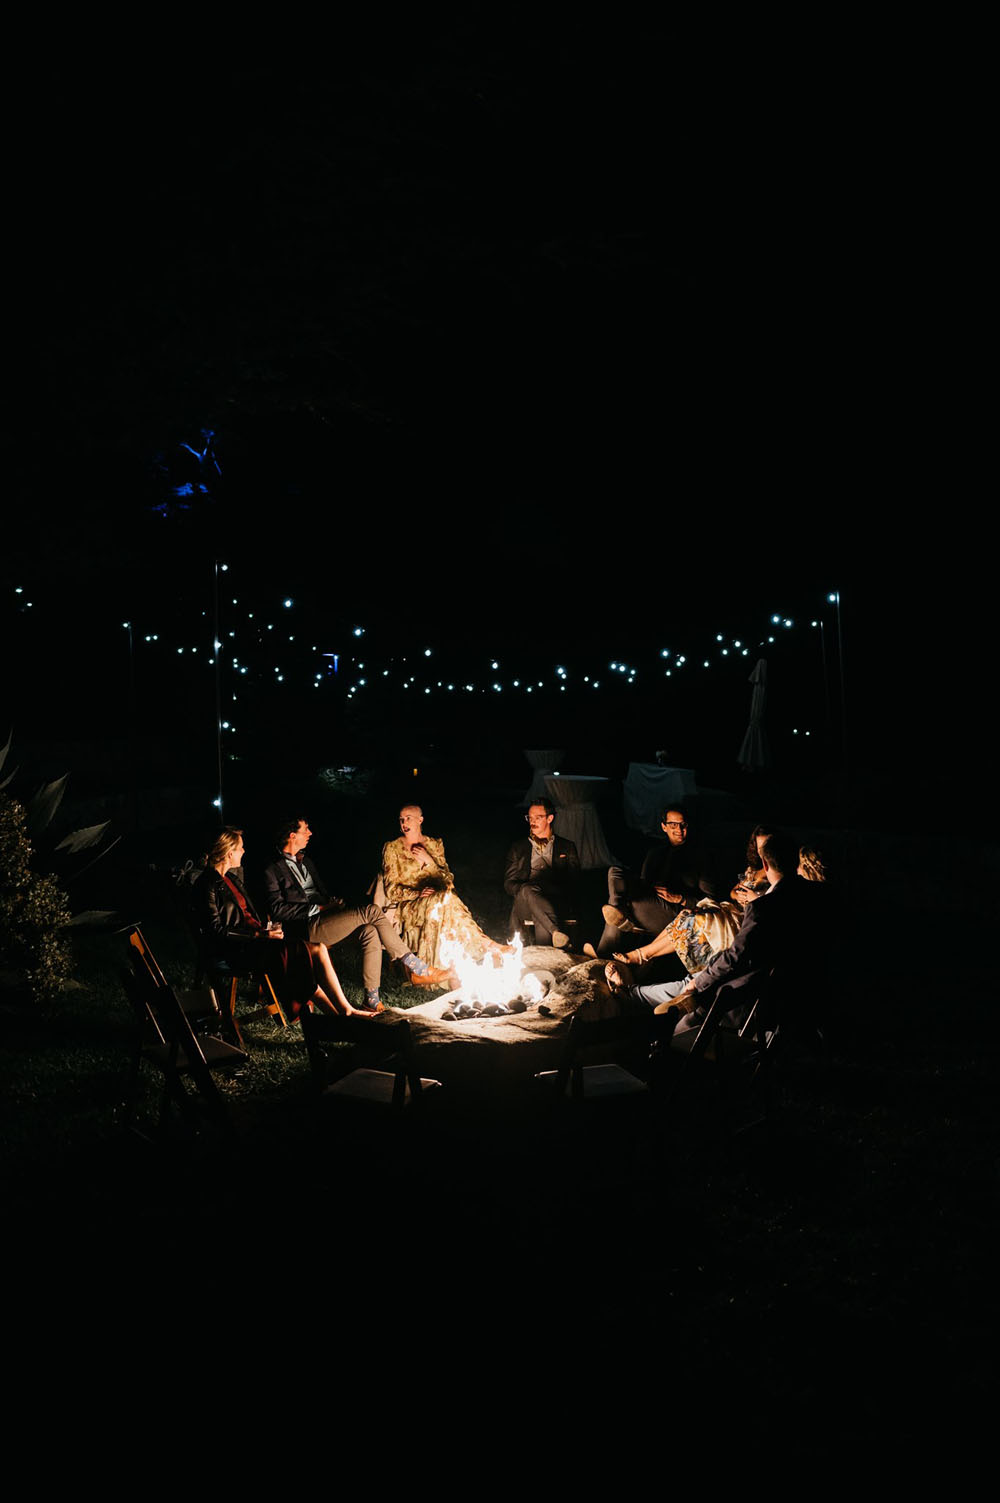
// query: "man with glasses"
[[673, 878], [784, 929], [541, 877]]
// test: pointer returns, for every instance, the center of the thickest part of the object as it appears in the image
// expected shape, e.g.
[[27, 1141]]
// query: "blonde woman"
[[237, 940]]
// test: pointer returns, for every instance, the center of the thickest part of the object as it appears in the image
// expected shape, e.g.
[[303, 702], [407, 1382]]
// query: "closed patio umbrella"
[[754, 753]]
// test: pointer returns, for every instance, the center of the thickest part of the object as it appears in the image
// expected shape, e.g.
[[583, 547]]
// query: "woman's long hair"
[[811, 864], [754, 863], [226, 841]]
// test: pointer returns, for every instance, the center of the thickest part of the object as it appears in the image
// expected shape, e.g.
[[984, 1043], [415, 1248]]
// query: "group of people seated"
[[292, 947], [672, 902], [774, 916]]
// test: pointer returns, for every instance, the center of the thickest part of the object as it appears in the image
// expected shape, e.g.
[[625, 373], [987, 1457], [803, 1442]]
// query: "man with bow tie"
[[298, 899], [541, 877]]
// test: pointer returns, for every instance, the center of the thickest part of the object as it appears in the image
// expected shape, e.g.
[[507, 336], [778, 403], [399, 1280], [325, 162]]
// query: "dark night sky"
[[466, 309]]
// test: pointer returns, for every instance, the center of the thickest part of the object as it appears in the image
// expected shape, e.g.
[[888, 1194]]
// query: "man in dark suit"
[[674, 877], [541, 877], [298, 899], [780, 928]]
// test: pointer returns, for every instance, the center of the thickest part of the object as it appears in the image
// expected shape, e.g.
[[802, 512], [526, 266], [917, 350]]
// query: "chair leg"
[[273, 1007], [228, 1010], [576, 1081]]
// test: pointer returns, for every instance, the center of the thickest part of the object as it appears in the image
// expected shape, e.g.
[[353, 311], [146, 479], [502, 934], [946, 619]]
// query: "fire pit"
[[493, 987], [461, 1040]]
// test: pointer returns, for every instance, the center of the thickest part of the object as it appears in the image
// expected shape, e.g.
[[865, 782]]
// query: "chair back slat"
[[145, 955]]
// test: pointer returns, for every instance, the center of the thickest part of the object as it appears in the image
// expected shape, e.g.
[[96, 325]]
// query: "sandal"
[[618, 977]]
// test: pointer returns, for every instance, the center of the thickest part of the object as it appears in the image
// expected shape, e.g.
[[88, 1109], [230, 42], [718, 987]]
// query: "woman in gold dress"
[[417, 879]]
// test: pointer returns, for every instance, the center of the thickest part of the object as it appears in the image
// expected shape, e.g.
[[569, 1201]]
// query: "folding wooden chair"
[[616, 1033], [200, 1004], [382, 1040], [741, 1056], [229, 987], [166, 1040]]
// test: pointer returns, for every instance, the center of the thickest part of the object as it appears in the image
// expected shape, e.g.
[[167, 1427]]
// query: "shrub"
[[34, 910]]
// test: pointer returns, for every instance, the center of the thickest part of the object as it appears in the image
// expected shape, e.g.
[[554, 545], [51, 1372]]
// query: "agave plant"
[[34, 909]]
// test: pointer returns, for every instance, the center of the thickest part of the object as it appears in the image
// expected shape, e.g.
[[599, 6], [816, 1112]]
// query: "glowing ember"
[[495, 983]]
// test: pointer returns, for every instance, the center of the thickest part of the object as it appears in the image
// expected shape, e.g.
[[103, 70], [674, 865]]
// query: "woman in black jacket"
[[238, 941]]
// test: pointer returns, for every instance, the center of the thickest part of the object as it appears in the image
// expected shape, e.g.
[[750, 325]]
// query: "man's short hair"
[[674, 809], [286, 828], [543, 803], [781, 854]]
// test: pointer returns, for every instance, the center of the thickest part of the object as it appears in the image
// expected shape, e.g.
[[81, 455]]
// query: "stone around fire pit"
[[486, 1051]]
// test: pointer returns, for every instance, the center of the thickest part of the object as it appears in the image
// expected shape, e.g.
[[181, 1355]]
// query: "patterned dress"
[[700, 934], [426, 921], [711, 927]]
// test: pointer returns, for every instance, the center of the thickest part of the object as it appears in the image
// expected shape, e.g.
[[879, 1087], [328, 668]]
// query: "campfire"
[[494, 986]]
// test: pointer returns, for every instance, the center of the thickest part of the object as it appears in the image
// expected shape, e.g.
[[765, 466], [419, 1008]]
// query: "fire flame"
[[497, 979]]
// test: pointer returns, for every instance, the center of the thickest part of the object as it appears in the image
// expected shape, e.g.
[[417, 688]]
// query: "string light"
[[561, 674]]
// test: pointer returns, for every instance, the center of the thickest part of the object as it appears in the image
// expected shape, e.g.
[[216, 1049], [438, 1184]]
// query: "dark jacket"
[[217, 915], [679, 868], [563, 873], [784, 928], [287, 904]]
